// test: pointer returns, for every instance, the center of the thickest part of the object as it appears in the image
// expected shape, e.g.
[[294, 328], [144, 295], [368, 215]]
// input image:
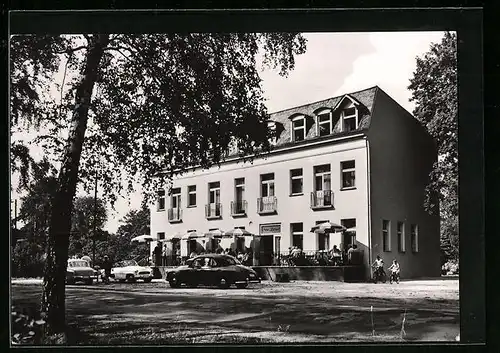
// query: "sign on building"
[[269, 229]]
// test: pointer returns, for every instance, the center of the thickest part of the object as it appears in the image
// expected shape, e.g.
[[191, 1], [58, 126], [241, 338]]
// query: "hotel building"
[[359, 160]]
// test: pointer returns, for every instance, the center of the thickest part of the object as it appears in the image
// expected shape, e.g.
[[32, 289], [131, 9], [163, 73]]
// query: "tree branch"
[[72, 50]]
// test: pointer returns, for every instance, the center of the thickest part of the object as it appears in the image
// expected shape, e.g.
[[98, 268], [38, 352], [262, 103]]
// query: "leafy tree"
[[87, 210], [135, 223], [139, 106], [434, 91]]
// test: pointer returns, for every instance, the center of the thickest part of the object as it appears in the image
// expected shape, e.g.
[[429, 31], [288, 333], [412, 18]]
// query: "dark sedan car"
[[212, 270]]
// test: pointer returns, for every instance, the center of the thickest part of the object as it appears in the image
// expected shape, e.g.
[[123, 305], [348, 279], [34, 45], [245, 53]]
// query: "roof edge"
[[324, 99]]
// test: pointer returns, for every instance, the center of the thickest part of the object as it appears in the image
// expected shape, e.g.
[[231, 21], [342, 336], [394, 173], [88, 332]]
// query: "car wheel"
[[174, 283], [224, 283], [147, 280], [89, 281], [130, 278]]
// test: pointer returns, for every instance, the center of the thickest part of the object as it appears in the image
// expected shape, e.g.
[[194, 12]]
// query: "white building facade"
[[322, 168]]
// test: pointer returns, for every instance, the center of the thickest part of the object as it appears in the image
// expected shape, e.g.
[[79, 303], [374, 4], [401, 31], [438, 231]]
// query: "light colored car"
[[129, 270], [79, 270]]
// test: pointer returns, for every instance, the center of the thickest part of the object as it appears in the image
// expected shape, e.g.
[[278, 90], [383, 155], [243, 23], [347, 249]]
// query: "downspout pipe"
[[368, 177]]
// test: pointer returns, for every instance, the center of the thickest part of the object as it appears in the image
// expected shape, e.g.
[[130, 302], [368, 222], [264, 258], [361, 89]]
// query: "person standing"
[[107, 265], [157, 254]]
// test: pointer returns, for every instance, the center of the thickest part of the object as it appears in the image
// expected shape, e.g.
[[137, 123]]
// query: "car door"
[[209, 271], [192, 275]]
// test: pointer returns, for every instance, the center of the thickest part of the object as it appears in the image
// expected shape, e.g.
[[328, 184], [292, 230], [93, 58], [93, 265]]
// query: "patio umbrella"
[[327, 227], [175, 236], [217, 233], [142, 239], [237, 232], [191, 235]]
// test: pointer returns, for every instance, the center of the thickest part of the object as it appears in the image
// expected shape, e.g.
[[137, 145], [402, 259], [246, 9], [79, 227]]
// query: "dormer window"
[[274, 136], [299, 128], [349, 118], [325, 123]]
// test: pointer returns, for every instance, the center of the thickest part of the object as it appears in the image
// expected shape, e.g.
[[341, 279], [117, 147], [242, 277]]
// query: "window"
[[349, 236], [175, 198], [273, 132], [239, 186], [239, 196], [401, 237], [267, 185], [161, 200], [349, 119], [348, 174], [297, 235], [296, 184], [191, 195], [322, 177], [214, 192], [386, 235], [160, 235], [299, 128], [414, 238], [324, 124]]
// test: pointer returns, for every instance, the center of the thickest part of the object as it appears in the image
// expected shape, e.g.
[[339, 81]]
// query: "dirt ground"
[[269, 312]]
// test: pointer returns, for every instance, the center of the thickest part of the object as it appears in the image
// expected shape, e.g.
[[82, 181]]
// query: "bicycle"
[[379, 275]]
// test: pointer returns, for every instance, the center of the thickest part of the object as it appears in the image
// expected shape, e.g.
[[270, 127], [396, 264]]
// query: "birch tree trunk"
[[53, 298]]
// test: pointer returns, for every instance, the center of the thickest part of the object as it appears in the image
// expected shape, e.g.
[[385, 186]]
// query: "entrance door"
[[263, 250]]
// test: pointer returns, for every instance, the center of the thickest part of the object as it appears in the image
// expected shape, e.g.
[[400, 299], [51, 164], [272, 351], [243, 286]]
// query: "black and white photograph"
[[234, 188]]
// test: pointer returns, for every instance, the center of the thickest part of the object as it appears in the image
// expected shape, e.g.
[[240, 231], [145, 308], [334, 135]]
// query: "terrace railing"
[[268, 204], [238, 208], [321, 199], [213, 210], [174, 215]]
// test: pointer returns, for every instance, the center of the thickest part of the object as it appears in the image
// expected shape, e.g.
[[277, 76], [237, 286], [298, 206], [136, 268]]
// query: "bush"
[[28, 260], [450, 268], [27, 327]]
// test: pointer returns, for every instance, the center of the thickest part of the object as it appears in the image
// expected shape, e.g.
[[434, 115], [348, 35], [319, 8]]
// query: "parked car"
[[212, 270], [129, 270], [79, 270]]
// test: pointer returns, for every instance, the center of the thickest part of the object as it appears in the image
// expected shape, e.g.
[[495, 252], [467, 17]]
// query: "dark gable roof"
[[365, 97]]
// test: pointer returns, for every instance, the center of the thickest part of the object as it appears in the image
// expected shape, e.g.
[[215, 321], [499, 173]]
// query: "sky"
[[334, 64]]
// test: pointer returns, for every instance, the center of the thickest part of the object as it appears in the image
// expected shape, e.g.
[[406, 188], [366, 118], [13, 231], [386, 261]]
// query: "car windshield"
[[80, 263], [126, 263]]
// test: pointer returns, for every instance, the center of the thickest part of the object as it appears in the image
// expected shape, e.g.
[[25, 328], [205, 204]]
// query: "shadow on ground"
[[119, 317]]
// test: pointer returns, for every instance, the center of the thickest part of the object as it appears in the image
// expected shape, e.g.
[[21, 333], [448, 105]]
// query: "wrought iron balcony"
[[266, 205], [238, 208], [174, 215], [213, 210], [321, 199]]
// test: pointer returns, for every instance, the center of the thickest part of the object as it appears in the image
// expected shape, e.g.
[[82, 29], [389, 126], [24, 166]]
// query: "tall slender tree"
[[156, 105], [434, 91]]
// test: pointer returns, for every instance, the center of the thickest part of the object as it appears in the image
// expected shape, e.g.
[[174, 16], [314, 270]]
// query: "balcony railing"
[[213, 210], [238, 208], [268, 204], [174, 215], [321, 199]]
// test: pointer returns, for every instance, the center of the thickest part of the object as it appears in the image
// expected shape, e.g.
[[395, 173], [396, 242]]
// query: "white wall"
[[348, 204]]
